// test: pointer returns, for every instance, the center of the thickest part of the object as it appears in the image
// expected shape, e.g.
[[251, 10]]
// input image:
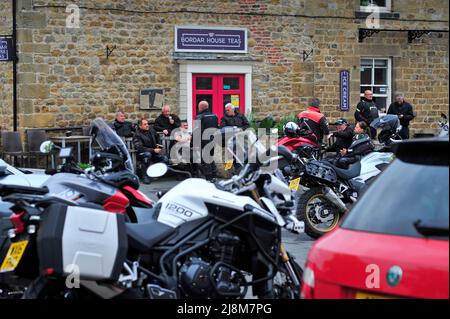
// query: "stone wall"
[[6, 71], [65, 78]]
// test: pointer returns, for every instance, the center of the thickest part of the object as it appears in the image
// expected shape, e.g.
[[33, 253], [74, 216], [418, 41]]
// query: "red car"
[[395, 241]]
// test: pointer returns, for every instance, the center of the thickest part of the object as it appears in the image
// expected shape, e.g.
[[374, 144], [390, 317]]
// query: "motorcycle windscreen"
[[107, 139], [245, 147]]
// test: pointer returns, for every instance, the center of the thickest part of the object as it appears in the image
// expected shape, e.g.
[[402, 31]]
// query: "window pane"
[[203, 83], [367, 63], [204, 97], [366, 75], [381, 103], [380, 76], [401, 209], [381, 63], [231, 83], [380, 3], [380, 90], [230, 98]]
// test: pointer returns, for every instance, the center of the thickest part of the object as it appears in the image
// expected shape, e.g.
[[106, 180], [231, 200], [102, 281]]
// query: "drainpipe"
[[15, 60]]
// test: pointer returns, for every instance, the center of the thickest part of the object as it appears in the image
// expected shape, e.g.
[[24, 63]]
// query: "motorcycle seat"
[[143, 237], [353, 171]]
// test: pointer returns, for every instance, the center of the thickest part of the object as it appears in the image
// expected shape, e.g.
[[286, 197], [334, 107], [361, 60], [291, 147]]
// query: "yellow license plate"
[[228, 165], [294, 184], [363, 295], [13, 256]]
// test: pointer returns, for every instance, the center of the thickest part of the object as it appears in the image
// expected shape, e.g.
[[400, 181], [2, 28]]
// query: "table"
[[73, 139]]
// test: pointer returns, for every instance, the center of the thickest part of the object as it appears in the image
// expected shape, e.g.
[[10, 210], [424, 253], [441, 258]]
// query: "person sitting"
[[181, 151], [121, 127], [361, 145], [234, 118], [166, 121], [148, 147], [344, 136]]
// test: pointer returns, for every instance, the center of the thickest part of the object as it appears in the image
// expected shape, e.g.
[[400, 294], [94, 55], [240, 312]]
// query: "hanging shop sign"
[[6, 49], [345, 90]]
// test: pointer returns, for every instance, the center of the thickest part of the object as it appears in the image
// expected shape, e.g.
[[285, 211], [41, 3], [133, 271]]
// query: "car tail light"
[[308, 283]]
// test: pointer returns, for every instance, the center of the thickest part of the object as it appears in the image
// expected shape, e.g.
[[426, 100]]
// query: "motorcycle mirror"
[[46, 147], [157, 170]]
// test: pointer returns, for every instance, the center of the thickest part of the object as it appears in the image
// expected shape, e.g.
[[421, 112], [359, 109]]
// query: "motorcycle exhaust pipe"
[[332, 197]]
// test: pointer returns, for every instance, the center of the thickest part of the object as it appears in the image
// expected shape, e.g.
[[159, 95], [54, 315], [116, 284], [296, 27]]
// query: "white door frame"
[[187, 68]]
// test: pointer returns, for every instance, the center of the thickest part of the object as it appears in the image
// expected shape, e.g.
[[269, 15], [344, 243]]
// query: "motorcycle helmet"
[[122, 178], [290, 129], [340, 121]]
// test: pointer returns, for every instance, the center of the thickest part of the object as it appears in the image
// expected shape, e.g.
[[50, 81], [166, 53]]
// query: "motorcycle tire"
[[285, 289], [302, 212]]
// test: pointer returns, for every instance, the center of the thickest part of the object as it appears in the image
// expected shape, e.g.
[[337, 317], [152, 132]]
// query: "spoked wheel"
[[318, 213]]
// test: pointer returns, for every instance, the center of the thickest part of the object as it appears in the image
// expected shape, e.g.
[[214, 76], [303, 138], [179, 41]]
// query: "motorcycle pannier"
[[85, 241]]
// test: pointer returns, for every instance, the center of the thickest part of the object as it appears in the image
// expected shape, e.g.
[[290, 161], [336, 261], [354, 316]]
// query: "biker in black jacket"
[[121, 127], [205, 120], [405, 113], [344, 136], [367, 111], [148, 147], [233, 118]]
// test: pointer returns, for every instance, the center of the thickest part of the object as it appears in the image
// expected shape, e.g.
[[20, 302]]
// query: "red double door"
[[218, 90]]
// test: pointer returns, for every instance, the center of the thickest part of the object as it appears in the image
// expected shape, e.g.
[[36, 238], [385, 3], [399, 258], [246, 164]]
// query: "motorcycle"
[[301, 141], [202, 245], [110, 181], [390, 129], [327, 191], [109, 184]]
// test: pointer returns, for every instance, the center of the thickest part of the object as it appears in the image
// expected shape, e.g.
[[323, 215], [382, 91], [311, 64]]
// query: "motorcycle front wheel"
[[317, 212]]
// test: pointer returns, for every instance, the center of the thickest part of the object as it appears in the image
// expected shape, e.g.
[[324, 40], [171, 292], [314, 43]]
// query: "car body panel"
[[347, 261]]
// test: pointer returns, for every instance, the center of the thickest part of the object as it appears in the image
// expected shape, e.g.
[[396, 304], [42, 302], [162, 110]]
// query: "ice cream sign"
[[199, 39]]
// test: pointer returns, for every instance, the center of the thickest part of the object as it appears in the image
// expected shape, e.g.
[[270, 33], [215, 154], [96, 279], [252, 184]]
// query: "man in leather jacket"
[[405, 113], [121, 127], [367, 111], [233, 118], [344, 136], [148, 147], [203, 121]]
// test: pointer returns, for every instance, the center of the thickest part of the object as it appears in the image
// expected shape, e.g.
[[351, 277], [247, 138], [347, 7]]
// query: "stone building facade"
[[296, 50]]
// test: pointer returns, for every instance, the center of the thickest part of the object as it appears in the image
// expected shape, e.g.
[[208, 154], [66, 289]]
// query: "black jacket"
[[405, 109], [206, 120], [343, 139], [366, 111], [163, 123], [124, 129], [238, 120], [145, 141]]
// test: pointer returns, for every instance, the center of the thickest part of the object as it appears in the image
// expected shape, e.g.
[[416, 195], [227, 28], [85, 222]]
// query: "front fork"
[[286, 260]]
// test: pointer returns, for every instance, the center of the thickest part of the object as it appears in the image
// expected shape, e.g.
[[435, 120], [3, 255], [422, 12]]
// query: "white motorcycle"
[[205, 241]]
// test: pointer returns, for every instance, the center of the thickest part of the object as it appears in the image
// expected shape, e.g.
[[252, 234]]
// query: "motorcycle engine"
[[194, 278], [200, 278]]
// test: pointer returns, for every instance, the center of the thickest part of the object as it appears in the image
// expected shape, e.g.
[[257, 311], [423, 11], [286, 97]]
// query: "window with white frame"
[[370, 5], [376, 75]]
